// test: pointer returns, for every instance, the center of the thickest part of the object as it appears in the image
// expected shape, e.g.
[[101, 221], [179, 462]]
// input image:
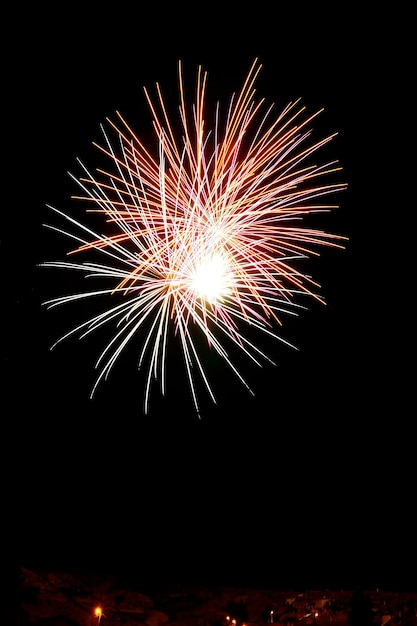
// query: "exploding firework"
[[204, 236]]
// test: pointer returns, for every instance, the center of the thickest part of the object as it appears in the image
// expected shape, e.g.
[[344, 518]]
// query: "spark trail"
[[205, 236]]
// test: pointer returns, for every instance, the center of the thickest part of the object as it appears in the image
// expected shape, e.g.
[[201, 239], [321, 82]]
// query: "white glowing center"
[[211, 279]]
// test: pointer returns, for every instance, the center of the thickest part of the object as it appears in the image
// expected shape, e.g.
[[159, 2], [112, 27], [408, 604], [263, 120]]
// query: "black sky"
[[310, 483]]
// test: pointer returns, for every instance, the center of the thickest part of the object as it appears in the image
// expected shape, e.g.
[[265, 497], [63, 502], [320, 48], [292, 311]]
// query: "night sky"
[[311, 482]]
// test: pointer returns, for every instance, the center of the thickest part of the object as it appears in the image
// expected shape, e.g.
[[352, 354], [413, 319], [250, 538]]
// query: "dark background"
[[311, 483]]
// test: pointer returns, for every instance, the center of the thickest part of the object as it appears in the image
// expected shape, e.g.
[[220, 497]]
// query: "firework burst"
[[205, 235]]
